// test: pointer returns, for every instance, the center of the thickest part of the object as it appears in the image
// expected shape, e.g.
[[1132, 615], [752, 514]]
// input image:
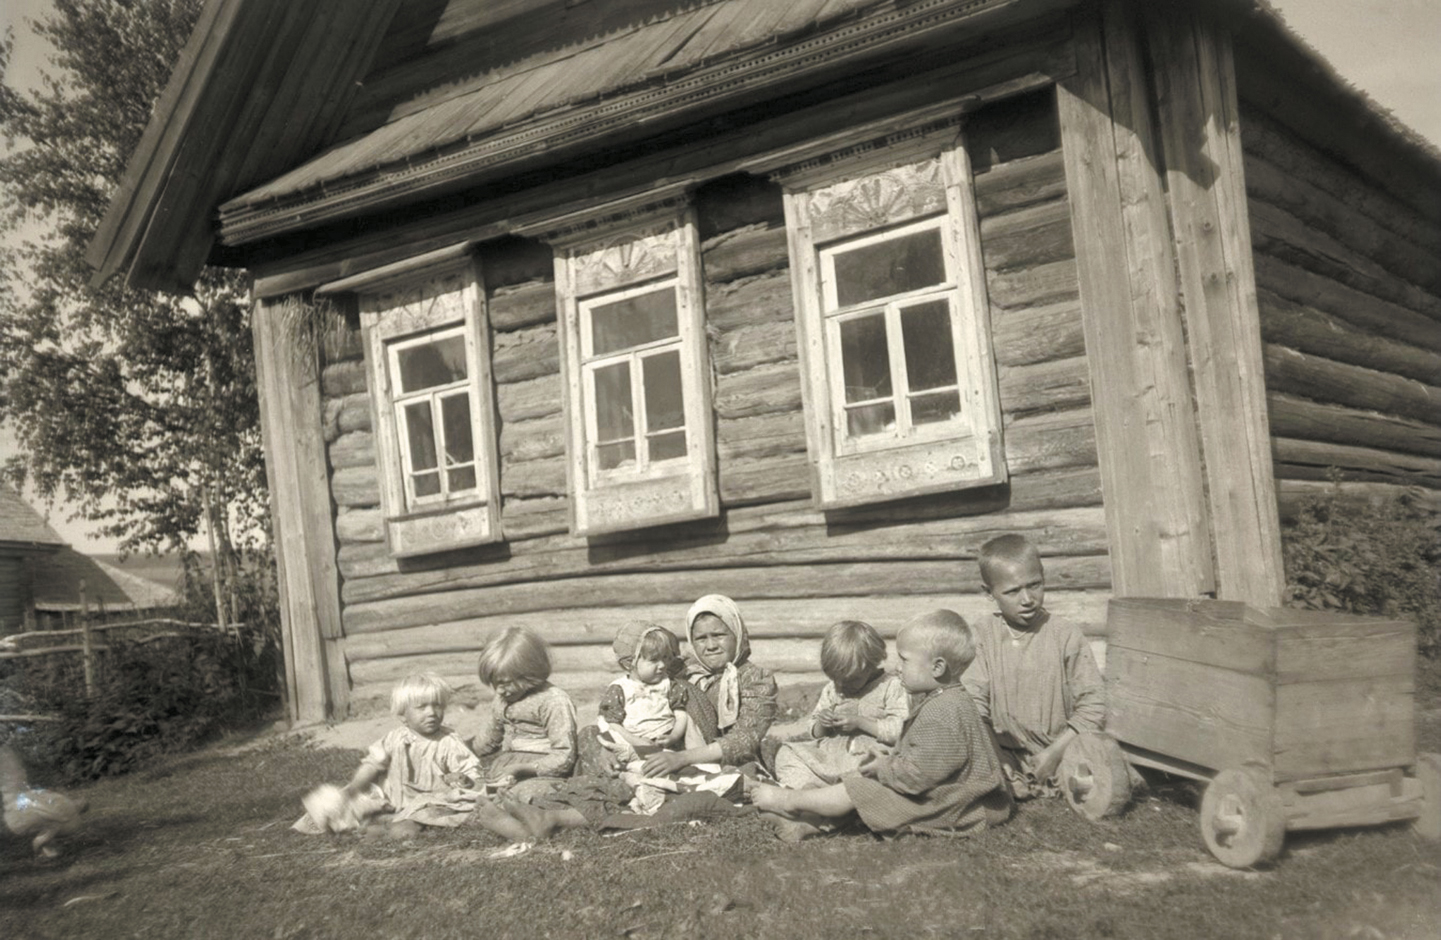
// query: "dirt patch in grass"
[[200, 847]]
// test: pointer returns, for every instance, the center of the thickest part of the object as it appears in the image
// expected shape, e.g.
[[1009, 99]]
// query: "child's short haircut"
[[516, 655], [852, 652], [946, 634], [420, 688], [1011, 548]]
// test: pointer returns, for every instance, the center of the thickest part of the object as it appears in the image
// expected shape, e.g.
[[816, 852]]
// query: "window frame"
[[835, 203], [610, 253], [405, 305]]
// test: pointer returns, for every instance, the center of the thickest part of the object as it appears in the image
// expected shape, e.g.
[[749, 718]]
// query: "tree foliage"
[[139, 407]]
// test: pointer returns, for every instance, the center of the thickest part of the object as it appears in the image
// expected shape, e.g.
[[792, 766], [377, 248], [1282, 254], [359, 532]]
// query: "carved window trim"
[[605, 255], [407, 305], [864, 195]]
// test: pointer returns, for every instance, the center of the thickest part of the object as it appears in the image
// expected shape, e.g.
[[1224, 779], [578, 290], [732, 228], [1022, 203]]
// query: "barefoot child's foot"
[[769, 799], [791, 830]]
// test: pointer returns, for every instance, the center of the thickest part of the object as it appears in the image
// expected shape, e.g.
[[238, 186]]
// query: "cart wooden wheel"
[[1094, 777], [1242, 821], [1428, 771]]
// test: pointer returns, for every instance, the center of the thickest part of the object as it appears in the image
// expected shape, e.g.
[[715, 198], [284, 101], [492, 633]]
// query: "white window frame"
[[832, 207], [608, 254], [403, 306]]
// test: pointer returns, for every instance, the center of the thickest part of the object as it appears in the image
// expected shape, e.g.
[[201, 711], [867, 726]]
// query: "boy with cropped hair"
[[1034, 679], [944, 775]]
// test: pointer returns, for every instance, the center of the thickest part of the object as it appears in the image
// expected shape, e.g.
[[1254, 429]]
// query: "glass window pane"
[[427, 365], [420, 433], [664, 399], [614, 419], [935, 406], [426, 484], [930, 354], [870, 419], [461, 479], [455, 418], [634, 321], [894, 266], [611, 456], [865, 362], [666, 446]]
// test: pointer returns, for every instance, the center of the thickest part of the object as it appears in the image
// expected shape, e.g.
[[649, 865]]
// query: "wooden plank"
[[1371, 314], [767, 389], [525, 353], [740, 303], [1146, 440], [745, 252], [359, 525], [343, 378], [1395, 257], [1282, 235], [1045, 386], [1211, 633], [1038, 334], [1367, 805], [1206, 192], [1051, 441], [1294, 494], [813, 538], [355, 449], [682, 586], [1206, 715], [1324, 380], [1335, 647], [1018, 183], [1358, 462], [287, 447], [522, 305], [532, 398], [806, 619], [356, 487], [757, 344], [1046, 284], [1344, 725], [1318, 421], [1316, 333]]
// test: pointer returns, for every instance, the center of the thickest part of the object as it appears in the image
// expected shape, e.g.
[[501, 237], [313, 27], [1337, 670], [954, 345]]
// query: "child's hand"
[[826, 718], [1044, 765], [847, 717], [457, 780], [869, 765], [503, 783]]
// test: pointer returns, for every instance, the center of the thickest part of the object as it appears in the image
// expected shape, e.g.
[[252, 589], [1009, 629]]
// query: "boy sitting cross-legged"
[[944, 774]]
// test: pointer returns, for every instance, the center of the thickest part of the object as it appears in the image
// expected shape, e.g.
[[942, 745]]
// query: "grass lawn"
[[201, 847]]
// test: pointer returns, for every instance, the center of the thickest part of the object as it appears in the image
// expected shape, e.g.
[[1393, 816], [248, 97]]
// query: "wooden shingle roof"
[[22, 528]]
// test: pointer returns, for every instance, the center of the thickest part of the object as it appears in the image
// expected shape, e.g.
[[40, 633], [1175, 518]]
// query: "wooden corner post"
[[1147, 442], [1200, 138], [288, 380]]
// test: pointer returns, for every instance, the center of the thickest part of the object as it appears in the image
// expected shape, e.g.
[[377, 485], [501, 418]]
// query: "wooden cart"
[[1297, 719]]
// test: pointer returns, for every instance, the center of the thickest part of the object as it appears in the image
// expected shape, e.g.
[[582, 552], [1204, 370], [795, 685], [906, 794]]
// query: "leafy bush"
[[1367, 557]]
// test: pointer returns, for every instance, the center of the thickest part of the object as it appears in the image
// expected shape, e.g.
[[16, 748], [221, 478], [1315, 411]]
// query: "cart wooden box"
[[1300, 719]]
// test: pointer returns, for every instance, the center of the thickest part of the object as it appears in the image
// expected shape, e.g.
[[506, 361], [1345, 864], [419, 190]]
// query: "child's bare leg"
[[492, 817], [542, 823], [831, 802]]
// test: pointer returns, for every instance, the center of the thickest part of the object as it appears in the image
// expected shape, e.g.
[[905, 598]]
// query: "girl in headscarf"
[[737, 703]]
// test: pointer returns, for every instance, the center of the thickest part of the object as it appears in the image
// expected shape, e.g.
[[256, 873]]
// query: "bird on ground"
[[35, 811]]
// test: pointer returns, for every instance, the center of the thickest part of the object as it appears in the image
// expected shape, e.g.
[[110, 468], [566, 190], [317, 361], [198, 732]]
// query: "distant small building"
[[25, 539], [623, 302], [43, 580]]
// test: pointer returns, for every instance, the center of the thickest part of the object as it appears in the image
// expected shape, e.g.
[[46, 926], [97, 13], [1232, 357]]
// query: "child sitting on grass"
[[1034, 679], [530, 739], [944, 775], [645, 708], [860, 712], [420, 774]]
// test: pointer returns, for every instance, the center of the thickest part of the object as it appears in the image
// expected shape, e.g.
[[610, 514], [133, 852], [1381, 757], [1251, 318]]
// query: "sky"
[[1391, 49]]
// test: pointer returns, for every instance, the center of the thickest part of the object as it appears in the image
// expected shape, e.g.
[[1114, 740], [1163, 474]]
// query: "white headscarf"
[[727, 679]]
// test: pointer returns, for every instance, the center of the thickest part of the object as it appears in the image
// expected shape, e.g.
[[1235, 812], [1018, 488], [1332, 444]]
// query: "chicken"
[[34, 811]]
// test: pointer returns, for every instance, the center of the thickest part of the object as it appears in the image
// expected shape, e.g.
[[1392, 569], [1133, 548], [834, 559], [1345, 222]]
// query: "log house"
[[569, 311]]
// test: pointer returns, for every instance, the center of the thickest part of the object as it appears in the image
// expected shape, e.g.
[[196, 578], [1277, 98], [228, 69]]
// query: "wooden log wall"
[[793, 569], [1349, 288]]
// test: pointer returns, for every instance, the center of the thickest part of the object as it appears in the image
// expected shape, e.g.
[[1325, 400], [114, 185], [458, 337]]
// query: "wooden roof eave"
[[207, 136], [632, 114]]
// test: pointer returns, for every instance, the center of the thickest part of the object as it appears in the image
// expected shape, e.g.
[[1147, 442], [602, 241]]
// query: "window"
[[891, 306], [428, 366], [641, 445]]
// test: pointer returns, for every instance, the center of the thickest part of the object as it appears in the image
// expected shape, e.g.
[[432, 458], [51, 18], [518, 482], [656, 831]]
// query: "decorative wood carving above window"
[[427, 350], [641, 447], [890, 298]]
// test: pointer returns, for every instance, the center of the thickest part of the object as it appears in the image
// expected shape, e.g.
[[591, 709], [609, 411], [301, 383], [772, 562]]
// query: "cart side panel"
[[1214, 633], [1344, 725], [1313, 646], [1196, 712]]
